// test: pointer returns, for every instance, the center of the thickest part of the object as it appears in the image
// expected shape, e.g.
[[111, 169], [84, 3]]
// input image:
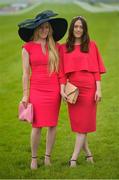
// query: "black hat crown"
[[46, 14], [30, 22]]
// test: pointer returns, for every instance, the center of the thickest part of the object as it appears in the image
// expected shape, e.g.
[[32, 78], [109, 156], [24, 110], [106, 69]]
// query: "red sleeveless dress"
[[44, 87]]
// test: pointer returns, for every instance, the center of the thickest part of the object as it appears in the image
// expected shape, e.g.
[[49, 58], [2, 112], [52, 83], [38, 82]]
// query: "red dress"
[[82, 70], [44, 87]]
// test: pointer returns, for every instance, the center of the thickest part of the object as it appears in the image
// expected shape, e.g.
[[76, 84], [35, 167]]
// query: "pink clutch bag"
[[26, 114]]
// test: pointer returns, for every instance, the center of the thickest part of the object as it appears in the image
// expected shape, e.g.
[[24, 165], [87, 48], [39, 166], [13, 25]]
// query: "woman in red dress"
[[82, 65], [40, 76]]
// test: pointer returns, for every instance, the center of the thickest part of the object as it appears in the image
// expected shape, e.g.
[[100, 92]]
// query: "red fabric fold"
[[77, 60]]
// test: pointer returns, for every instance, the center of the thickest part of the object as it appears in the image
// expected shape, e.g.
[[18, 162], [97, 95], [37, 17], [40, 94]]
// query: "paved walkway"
[[94, 9], [100, 7], [10, 12]]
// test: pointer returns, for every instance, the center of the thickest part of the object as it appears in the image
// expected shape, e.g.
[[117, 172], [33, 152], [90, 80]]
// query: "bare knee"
[[81, 134], [52, 128], [36, 131]]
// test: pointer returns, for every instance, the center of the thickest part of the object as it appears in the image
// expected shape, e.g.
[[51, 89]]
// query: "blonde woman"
[[40, 76]]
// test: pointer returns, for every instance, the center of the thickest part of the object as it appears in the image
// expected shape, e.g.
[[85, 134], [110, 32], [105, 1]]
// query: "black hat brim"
[[59, 26]]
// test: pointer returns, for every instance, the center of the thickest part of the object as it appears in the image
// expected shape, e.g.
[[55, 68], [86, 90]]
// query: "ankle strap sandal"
[[48, 155], [71, 161], [88, 156], [34, 157]]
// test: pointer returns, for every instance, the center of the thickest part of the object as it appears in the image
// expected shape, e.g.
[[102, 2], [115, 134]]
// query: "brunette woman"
[[82, 65]]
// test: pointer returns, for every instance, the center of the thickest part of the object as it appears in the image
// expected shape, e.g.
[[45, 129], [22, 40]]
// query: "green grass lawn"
[[15, 136]]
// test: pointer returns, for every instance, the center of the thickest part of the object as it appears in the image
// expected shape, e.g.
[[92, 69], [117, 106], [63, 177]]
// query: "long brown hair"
[[84, 38], [53, 52]]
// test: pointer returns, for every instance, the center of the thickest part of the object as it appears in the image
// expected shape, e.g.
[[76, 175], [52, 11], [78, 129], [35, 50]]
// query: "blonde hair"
[[53, 52]]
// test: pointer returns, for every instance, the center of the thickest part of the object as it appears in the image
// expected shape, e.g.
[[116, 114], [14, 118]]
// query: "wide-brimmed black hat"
[[27, 27]]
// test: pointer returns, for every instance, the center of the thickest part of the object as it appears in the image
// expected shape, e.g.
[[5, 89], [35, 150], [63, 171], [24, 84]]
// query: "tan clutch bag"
[[72, 93]]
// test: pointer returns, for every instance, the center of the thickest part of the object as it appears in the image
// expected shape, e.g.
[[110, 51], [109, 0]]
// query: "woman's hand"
[[25, 101], [98, 95], [64, 96]]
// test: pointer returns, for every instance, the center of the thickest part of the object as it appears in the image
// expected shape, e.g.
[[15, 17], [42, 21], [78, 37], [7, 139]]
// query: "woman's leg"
[[80, 139], [35, 138], [86, 149], [50, 140]]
